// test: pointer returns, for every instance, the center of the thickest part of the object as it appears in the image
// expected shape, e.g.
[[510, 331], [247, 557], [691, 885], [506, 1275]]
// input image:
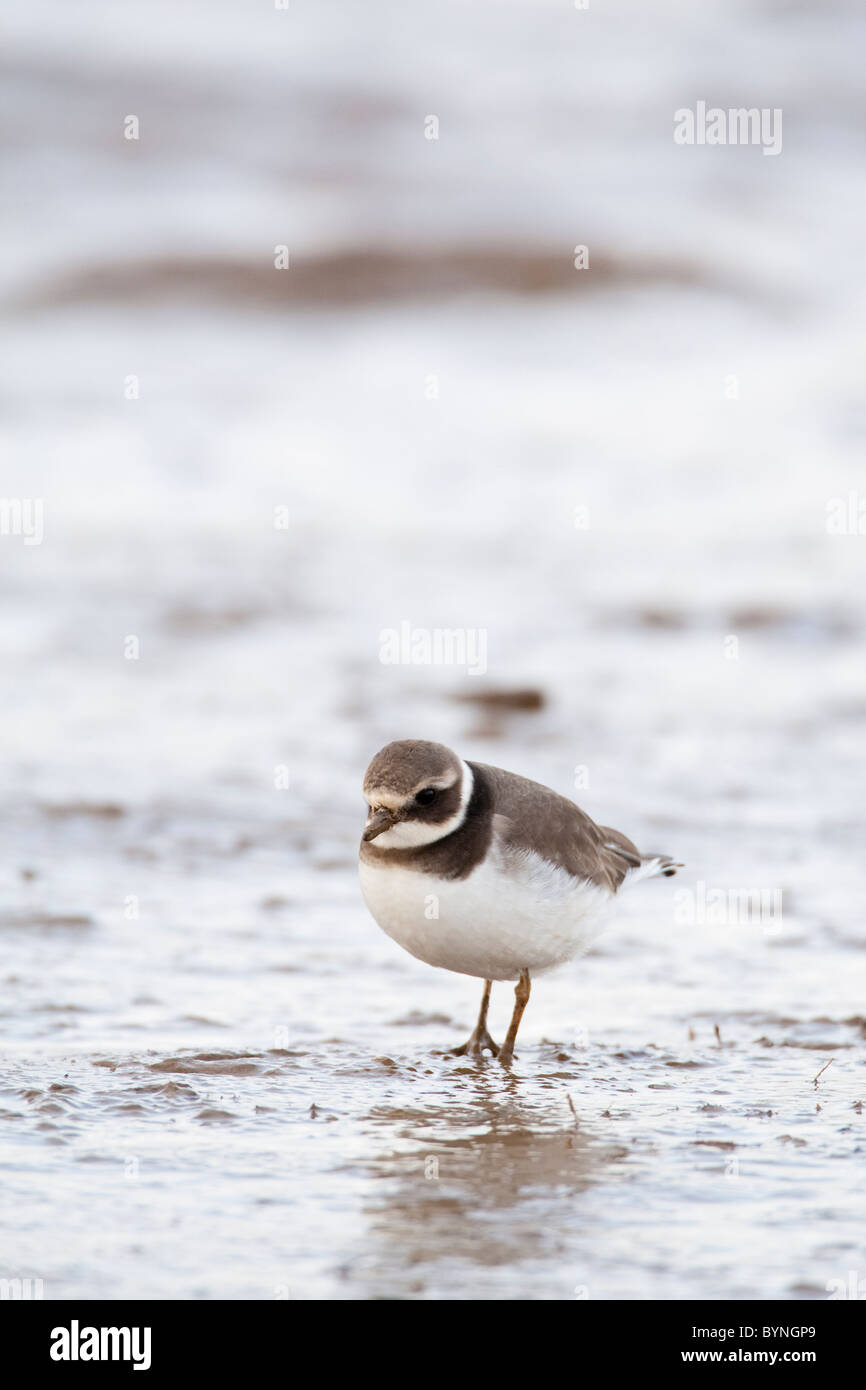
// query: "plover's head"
[[416, 792]]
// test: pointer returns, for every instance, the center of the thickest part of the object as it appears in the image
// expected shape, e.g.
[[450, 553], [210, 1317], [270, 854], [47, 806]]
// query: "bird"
[[483, 872]]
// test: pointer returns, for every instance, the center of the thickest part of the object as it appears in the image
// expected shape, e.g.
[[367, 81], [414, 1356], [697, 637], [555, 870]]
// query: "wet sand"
[[247, 1093]]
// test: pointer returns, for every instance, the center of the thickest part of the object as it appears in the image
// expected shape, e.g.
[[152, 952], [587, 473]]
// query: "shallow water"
[[218, 1079], [246, 1093]]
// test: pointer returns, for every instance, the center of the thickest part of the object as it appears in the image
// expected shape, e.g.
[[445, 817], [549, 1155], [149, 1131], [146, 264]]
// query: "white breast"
[[514, 912]]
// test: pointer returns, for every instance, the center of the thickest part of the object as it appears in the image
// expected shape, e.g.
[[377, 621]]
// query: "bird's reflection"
[[489, 1178]]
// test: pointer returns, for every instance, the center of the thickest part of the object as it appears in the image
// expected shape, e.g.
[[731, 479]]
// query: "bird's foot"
[[475, 1045]]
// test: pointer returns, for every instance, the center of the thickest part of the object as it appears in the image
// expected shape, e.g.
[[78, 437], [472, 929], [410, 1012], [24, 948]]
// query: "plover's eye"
[[426, 796]]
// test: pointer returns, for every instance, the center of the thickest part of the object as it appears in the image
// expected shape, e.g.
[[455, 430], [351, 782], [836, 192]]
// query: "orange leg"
[[521, 998]]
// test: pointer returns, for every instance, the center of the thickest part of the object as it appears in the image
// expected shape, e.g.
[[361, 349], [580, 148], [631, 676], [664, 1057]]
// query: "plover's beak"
[[379, 820]]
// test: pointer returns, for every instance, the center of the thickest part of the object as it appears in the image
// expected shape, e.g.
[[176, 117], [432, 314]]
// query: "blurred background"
[[622, 475]]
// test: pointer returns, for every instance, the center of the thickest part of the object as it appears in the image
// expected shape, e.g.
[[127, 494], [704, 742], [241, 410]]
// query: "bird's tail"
[[656, 866], [638, 865]]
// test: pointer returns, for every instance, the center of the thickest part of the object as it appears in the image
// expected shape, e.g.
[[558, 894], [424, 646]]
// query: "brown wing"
[[529, 816]]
